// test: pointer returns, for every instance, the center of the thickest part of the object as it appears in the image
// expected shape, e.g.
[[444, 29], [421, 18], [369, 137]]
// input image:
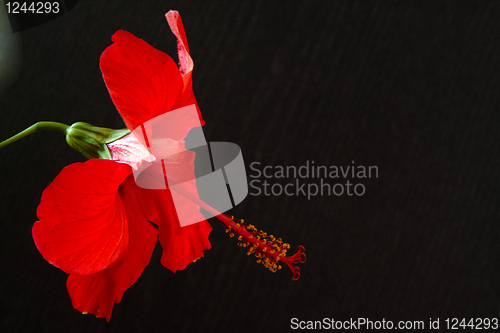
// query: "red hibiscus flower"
[[93, 218]]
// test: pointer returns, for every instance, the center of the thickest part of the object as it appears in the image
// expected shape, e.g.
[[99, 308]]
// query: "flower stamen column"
[[268, 250]]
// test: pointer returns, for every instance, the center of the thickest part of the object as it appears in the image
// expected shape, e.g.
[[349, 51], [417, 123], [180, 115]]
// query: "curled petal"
[[83, 226], [186, 63], [96, 293]]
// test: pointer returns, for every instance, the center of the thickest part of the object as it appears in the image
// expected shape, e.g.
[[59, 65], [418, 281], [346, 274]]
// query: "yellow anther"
[[257, 242]]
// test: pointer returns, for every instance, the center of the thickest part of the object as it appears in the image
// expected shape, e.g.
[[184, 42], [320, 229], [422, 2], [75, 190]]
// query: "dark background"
[[411, 87]]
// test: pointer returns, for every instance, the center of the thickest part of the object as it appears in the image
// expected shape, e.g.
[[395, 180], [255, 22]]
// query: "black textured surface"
[[411, 87]]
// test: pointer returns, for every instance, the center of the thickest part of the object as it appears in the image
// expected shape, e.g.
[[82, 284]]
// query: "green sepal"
[[91, 140]]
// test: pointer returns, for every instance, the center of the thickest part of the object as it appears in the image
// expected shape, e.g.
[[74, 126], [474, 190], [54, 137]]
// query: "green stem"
[[42, 125]]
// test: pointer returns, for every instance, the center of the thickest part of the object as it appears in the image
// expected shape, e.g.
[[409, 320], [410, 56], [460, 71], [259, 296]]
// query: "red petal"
[[186, 63], [83, 225], [181, 245], [96, 293], [142, 81]]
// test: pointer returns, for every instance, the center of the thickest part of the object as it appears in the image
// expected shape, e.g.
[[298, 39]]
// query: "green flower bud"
[[91, 140]]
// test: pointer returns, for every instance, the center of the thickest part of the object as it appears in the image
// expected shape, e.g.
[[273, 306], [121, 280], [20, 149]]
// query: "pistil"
[[268, 250]]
